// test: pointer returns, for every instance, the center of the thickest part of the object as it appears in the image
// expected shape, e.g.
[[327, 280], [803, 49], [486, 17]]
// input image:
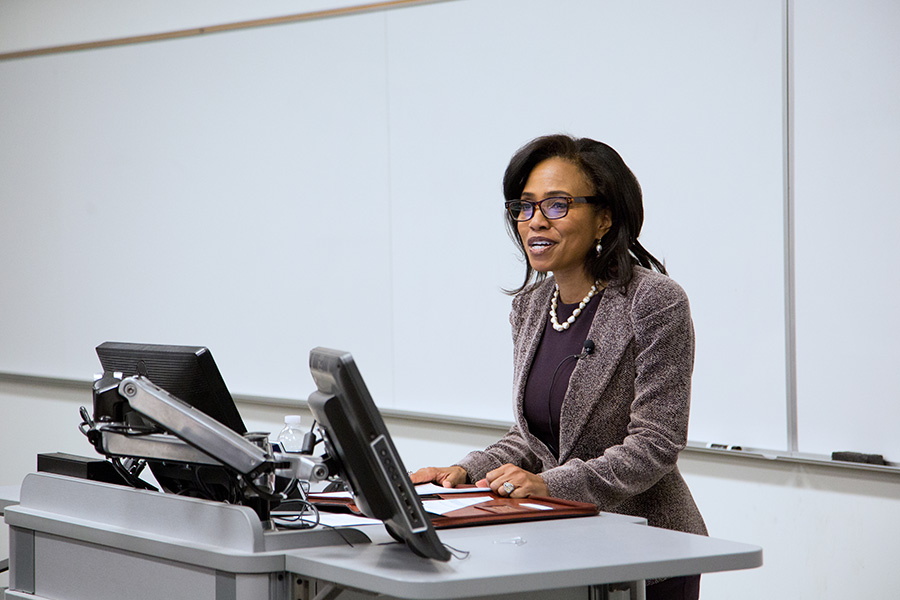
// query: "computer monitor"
[[187, 372], [190, 374], [357, 439]]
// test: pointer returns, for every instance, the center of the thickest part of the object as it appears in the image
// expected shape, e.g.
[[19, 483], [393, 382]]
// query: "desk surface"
[[520, 557], [503, 559]]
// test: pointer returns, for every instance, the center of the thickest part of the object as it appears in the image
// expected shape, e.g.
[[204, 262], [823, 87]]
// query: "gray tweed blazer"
[[625, 415]]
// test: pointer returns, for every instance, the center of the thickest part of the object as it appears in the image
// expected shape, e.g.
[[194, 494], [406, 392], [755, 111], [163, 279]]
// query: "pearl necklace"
[[555, 300]]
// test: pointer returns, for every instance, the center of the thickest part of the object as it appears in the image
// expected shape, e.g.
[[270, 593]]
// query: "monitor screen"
[[358, 440]]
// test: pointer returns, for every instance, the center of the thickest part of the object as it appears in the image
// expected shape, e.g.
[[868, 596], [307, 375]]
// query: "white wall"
[[826, 533]]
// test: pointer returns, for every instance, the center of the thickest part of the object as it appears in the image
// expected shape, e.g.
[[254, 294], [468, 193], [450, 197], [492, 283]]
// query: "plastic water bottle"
[[291, 437]]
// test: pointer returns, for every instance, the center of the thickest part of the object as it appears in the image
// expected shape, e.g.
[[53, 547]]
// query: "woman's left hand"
[[526, 484]]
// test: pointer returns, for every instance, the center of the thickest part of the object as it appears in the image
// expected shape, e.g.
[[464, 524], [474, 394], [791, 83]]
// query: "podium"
[[75, 539]]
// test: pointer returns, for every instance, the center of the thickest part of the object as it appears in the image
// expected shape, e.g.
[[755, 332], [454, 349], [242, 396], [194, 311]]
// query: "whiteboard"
[[30, 24], [847, 212], [337, 183]]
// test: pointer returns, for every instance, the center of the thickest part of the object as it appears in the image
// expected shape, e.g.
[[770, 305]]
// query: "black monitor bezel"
[[353, 428], [187, 372]]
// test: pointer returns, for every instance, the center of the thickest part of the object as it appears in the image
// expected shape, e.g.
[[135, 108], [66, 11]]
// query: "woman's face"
[[560, 245]]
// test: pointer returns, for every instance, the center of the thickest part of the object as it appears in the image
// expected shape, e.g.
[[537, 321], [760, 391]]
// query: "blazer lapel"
[[611, 332]]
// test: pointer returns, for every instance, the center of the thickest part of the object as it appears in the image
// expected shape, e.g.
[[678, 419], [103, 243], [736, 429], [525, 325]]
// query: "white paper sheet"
[[427, 489], [442, 507]]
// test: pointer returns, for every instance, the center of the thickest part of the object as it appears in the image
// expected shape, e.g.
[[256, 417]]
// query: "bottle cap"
[[292, 420]]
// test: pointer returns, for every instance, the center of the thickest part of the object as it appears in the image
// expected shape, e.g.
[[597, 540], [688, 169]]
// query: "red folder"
[[499, 509]]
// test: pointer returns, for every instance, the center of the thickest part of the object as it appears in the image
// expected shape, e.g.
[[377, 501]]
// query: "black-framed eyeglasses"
[[555, 207]]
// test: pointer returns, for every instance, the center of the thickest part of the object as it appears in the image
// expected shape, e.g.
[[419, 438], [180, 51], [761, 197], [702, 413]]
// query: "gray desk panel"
[[175, 528], [555, 554]]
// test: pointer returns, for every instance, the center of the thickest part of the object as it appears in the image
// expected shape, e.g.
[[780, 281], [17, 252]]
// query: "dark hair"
[[619, 192]]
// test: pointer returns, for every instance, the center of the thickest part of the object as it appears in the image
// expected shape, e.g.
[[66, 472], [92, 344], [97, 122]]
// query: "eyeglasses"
[[553, 208]]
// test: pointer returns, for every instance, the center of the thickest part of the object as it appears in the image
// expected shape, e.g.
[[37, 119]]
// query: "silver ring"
[[508, 488]]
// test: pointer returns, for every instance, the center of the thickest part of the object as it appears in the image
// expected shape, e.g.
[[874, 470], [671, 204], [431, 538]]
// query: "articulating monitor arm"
[[188, 435], [193, 426]]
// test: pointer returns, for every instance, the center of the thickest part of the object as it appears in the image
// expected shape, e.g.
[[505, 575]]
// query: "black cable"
[[131, 479], [264, 494], [587, 349], [309, 440], [290, 487], [550, 401], [298, 516], [137, 466], [129, 430], [203, 488], [86, 421], [337, 530], [456, 552]]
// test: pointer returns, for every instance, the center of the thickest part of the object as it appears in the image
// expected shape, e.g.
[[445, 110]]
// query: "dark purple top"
[[553, 364]]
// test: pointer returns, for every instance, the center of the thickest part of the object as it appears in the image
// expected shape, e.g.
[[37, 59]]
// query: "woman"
[[603, 350]]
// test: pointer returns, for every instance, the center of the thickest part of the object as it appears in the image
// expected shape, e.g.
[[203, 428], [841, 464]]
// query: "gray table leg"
[[633, 590]]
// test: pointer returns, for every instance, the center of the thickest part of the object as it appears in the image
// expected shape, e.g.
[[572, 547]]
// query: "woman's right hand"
[[446, 476]]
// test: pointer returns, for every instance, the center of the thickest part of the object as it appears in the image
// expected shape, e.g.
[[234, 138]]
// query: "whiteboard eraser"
[[859, 457]]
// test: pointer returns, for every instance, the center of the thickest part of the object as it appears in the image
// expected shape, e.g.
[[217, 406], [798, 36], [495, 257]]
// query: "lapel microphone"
[[588, 349]]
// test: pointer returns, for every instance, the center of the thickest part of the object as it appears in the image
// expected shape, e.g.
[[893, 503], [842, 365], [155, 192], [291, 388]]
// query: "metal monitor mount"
[[179, 433]]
